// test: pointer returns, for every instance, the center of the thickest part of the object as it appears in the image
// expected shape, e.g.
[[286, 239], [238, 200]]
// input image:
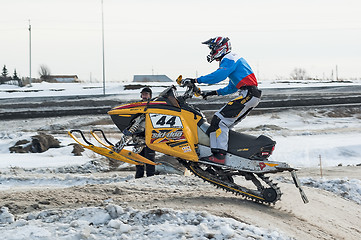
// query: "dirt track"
[[327, 216]]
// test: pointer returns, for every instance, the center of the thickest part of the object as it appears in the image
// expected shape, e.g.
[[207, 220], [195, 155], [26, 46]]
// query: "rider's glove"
[[206, 94], [187, 82]]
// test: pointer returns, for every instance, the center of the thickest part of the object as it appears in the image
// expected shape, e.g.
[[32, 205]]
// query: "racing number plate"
[[165, 121]]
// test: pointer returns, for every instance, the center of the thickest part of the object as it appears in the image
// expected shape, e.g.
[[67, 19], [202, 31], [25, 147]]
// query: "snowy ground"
[[55, 195]]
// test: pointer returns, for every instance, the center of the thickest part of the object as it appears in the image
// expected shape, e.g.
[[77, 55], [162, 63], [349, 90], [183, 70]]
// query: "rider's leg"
[[230, 114], [139, 173], [218, 155], [149, 154]]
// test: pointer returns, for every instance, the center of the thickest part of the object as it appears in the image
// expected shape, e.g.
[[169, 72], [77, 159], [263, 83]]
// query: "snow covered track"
[[327, 216], [116, 222], [55, 195]]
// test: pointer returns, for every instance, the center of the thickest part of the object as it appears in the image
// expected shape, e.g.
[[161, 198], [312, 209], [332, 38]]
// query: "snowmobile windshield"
[[169, 94], [169, 91]]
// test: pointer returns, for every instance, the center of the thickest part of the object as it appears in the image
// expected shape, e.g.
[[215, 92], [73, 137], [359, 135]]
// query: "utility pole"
[[29, 53], [336, 73], [332, 75], [103, 49]]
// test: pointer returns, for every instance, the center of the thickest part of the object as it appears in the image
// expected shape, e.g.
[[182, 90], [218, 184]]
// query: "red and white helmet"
[[219, 46]]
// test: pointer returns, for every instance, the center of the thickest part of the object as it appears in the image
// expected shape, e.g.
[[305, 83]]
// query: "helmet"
[[219, 46], [147, 89]]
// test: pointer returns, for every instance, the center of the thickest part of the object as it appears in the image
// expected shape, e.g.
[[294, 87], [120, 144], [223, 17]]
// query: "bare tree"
[[44, 72], [299, 74]]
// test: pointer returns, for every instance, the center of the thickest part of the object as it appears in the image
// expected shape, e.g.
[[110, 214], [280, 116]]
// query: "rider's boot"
[[217, 158]]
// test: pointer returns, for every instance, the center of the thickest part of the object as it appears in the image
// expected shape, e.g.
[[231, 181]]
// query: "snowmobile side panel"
[[172, 133], [203, 138]]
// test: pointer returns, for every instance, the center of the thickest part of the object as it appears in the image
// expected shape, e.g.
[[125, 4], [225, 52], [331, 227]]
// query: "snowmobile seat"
[[251, 147], [240, 144]]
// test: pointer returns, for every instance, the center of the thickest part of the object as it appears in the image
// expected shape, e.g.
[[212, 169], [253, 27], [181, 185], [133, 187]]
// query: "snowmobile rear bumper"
[[298, 185]]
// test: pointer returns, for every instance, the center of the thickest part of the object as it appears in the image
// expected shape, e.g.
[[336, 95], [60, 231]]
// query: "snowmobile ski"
[[124, 155]]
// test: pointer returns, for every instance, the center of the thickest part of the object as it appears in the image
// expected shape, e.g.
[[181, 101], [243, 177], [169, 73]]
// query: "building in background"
[[151, 78], [62, 78]]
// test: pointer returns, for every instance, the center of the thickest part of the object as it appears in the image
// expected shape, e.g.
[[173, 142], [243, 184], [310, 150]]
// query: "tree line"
[[5, 78]]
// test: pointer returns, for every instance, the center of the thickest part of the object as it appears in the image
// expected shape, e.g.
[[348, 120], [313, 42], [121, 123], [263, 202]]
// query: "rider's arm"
[[226, 67], [230, 88]]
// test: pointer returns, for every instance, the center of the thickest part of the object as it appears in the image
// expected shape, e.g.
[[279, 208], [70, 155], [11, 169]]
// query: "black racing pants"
[[150, 169]]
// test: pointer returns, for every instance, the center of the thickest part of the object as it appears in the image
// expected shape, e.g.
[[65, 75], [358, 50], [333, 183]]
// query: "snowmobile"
[[169, 125]]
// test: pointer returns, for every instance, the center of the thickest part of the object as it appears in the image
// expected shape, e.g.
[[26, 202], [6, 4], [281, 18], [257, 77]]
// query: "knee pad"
[[214, 124]]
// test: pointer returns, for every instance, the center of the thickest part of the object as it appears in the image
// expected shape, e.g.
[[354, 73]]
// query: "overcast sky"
[[164, 36]]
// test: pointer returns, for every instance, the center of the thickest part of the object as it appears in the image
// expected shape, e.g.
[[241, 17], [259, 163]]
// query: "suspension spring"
[[135, 126]]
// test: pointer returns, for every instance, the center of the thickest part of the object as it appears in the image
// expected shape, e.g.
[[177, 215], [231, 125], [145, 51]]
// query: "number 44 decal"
[[165, 121]]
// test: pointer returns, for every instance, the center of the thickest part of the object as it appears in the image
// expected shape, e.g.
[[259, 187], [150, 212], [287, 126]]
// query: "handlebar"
[[192, 89]]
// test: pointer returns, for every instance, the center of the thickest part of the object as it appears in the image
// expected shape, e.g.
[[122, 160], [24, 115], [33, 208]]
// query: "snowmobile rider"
[[146, 95], [241, 79]]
